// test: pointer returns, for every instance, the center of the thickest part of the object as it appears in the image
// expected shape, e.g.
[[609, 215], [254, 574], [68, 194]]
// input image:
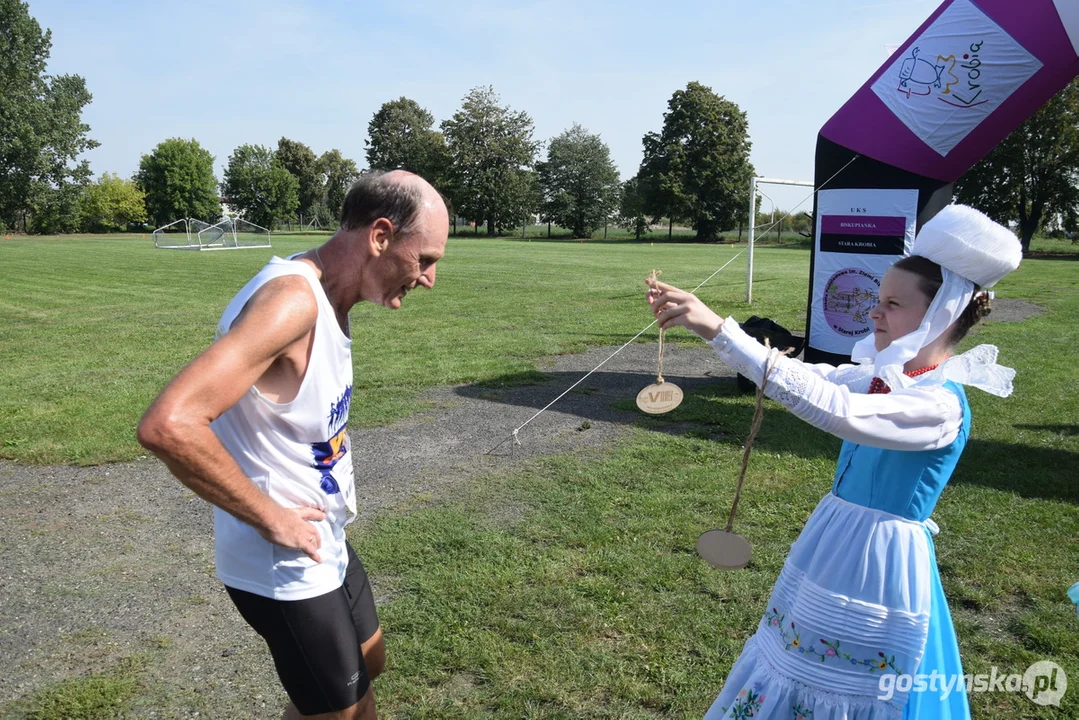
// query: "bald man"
[[258, 425]]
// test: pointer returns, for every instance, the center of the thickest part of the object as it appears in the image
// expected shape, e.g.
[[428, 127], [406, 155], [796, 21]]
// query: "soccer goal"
[[754, 190], [195, 228], [174, 236], [233, 234], [228, 234]]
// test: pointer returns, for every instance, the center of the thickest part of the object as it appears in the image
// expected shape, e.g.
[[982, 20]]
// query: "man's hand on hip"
[[292, 528]]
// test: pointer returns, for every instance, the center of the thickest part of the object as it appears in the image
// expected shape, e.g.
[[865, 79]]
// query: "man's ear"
[[379, 236]]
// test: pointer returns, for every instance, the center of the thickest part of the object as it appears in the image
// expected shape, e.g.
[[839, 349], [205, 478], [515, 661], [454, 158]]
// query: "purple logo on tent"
[[955, 74], [849, 295], [916, 74]]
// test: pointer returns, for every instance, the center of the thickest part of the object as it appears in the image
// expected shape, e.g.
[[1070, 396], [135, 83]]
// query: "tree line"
[[485, 159], [696, 170]]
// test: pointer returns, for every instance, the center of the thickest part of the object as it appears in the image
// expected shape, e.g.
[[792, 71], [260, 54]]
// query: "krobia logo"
[[917, 76], [972, 65], [921, 77]]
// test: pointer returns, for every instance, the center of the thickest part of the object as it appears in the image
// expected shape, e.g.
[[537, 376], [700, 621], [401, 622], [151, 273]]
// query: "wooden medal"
[[659, 398], [724, 550]]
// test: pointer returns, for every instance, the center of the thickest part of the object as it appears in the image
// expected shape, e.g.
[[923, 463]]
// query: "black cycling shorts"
[[315, 643]]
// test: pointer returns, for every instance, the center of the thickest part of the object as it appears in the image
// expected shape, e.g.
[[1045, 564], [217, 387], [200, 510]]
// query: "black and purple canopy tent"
[[972, 73]]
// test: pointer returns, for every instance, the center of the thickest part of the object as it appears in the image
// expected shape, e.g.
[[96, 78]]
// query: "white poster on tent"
[[860, 233]]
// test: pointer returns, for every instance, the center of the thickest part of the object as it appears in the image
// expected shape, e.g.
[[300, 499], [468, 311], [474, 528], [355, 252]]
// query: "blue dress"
[[857, 626]]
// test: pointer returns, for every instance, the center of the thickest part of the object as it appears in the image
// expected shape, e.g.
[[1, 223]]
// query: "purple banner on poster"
[[864, 225], [966, 78]]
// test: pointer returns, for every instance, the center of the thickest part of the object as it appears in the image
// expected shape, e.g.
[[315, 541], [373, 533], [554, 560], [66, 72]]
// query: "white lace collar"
[[976, 367]]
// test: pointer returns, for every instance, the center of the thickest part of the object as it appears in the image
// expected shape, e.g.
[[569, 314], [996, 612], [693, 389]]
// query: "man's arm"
[[176, 427]]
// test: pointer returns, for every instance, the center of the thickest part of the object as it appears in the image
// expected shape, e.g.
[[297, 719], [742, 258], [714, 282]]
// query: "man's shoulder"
[[286, 287], [290, 292], [282, 300]]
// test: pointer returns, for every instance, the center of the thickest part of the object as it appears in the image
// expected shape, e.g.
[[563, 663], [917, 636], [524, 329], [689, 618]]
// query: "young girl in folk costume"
[[859, 601]]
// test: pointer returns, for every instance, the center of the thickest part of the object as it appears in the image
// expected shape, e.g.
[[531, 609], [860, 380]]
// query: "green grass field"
[[569, 587], [92, 329], [768, 233]]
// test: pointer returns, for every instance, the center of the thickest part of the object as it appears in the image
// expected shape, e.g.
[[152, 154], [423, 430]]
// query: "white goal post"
[[174, 236], [753, 221], [233, 234], [228, 234]]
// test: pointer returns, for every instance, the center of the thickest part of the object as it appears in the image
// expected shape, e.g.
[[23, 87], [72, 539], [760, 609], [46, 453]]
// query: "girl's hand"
[[672, 306]]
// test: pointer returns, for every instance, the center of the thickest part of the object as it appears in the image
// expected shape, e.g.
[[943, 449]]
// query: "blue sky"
[[243, 71]]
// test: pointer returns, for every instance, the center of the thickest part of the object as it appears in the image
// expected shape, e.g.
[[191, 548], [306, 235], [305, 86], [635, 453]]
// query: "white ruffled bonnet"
[[970, 249], [968, 243]]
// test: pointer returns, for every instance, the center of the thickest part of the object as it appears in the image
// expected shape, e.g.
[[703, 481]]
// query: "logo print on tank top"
[[339, 411], [326, 454]]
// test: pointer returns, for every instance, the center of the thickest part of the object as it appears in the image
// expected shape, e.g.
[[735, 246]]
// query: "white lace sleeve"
[[832, 399]]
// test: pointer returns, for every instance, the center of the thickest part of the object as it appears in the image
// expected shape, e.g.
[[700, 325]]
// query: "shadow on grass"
[[1030, 472], [688, 238], [1069, 430], [1051, 255], [713, 409], [683, 239], [714, 284]]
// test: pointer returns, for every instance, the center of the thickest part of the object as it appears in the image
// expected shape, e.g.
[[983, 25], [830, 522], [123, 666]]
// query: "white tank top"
[[298, 453]]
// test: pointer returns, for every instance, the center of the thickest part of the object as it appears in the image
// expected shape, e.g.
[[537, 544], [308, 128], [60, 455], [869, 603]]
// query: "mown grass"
[[660, 233], [92, 328], [569, 587]]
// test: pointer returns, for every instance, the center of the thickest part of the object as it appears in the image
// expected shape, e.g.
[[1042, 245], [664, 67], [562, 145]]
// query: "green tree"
[[524, 199], [178, 180], [631, 210], [401, 137], [301, 162], [259, 187], [1033, 173], [492, 156], [55, 208], [338, 173], [783, 223], [41, 129], [111, 203], [579, 181], [697, 168], [786, 221], [325, 217]]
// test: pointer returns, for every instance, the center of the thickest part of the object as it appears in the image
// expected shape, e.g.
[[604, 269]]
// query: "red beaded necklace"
[[877, 385]]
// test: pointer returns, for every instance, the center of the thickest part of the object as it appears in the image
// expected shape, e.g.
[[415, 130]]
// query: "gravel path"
[[109, 562], [103, 563]]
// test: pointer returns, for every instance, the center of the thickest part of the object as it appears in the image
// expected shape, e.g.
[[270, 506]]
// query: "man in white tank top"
[[257, 425]]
